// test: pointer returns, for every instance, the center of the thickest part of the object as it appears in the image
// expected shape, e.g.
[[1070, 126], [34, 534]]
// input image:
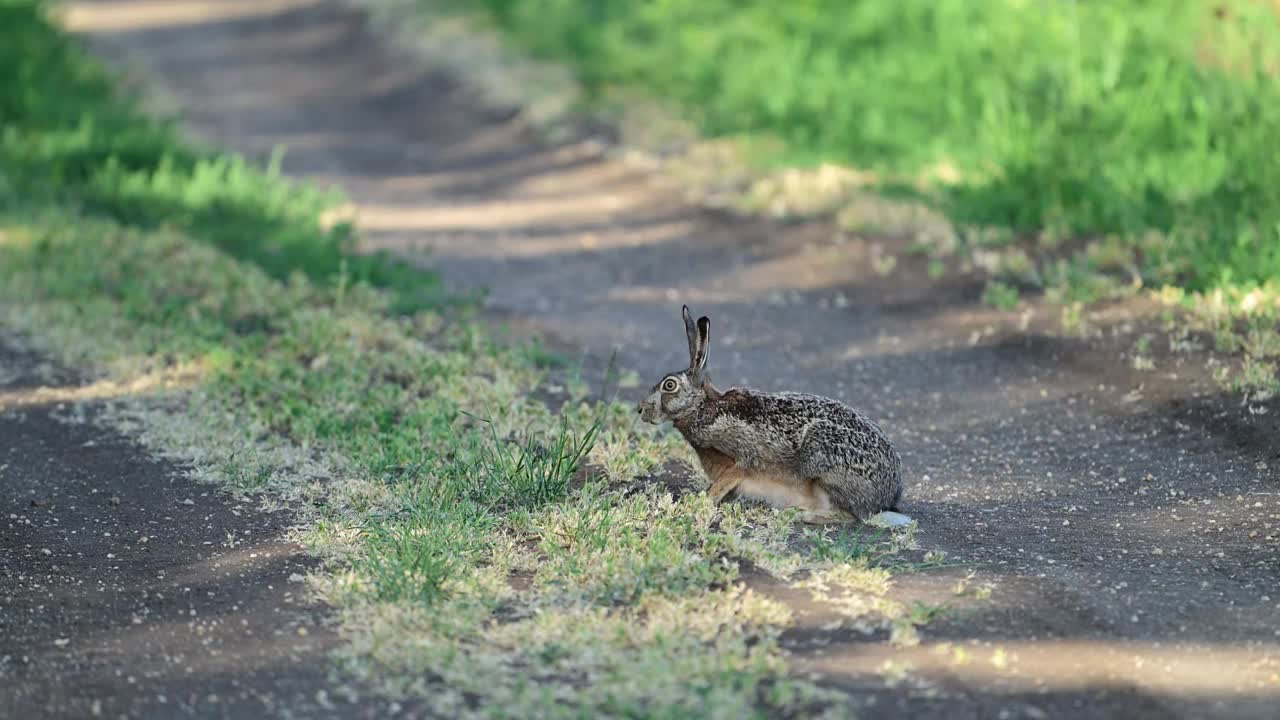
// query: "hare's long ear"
[[691, 332], [704, 343]]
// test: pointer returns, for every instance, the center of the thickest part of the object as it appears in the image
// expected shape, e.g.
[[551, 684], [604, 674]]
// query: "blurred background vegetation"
[[1145, 122], [1099, 142], [70, 140]]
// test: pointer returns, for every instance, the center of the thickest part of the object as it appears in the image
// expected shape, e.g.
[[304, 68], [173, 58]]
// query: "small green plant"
[[410, 563], [920, 613], [528, 476], [1258, 377], [847, 545], [1000, 296]]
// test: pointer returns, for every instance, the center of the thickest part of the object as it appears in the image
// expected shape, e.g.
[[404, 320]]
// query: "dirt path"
[[129, 591], [1130, 521]]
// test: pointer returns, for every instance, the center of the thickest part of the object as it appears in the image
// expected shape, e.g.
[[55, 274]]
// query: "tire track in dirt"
[[1129, 520]]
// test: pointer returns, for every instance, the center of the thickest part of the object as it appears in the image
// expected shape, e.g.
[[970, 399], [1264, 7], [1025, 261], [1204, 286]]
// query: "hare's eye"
[[670, 385]]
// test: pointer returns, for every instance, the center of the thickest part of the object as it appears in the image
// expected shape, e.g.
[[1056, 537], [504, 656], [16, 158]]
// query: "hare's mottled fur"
[[789, 449]]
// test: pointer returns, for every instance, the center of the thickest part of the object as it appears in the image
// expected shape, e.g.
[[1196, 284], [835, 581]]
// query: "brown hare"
[[788, 449]]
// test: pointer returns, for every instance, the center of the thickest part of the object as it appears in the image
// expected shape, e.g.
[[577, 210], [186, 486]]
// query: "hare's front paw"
[[725, 487]]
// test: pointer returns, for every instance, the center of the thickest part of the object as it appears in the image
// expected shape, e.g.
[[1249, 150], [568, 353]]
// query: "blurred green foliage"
[[1080, 118], [69, 139]]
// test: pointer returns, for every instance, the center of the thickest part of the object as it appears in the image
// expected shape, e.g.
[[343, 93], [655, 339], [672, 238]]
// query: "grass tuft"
[[532, 474]]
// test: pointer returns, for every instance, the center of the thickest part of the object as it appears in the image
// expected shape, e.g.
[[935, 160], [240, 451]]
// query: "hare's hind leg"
[[820, 510]]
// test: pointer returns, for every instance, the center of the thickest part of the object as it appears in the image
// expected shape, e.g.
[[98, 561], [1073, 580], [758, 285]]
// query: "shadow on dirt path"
[[1128, 521], [128, 590]]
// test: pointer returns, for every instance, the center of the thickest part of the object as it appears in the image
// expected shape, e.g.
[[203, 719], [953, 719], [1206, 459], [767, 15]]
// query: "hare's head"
[[679, 394]]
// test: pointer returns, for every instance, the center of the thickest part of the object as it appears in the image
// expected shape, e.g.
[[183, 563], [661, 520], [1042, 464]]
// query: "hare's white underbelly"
[[784, 489]]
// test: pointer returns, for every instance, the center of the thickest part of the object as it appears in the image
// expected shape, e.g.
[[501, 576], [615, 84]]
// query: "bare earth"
[[127, 590], [1128, 520]]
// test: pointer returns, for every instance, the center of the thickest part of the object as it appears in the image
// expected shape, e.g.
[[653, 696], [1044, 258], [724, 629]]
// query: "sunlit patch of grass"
[[712, 654], [627, 449], [1256, 379], [1239, 321], [860, 593], [611, 550]]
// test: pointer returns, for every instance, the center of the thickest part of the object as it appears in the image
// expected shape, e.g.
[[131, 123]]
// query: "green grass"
[[69, 138], [1242, 324], [1000, 296], [484, 555], [1061, 119]]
